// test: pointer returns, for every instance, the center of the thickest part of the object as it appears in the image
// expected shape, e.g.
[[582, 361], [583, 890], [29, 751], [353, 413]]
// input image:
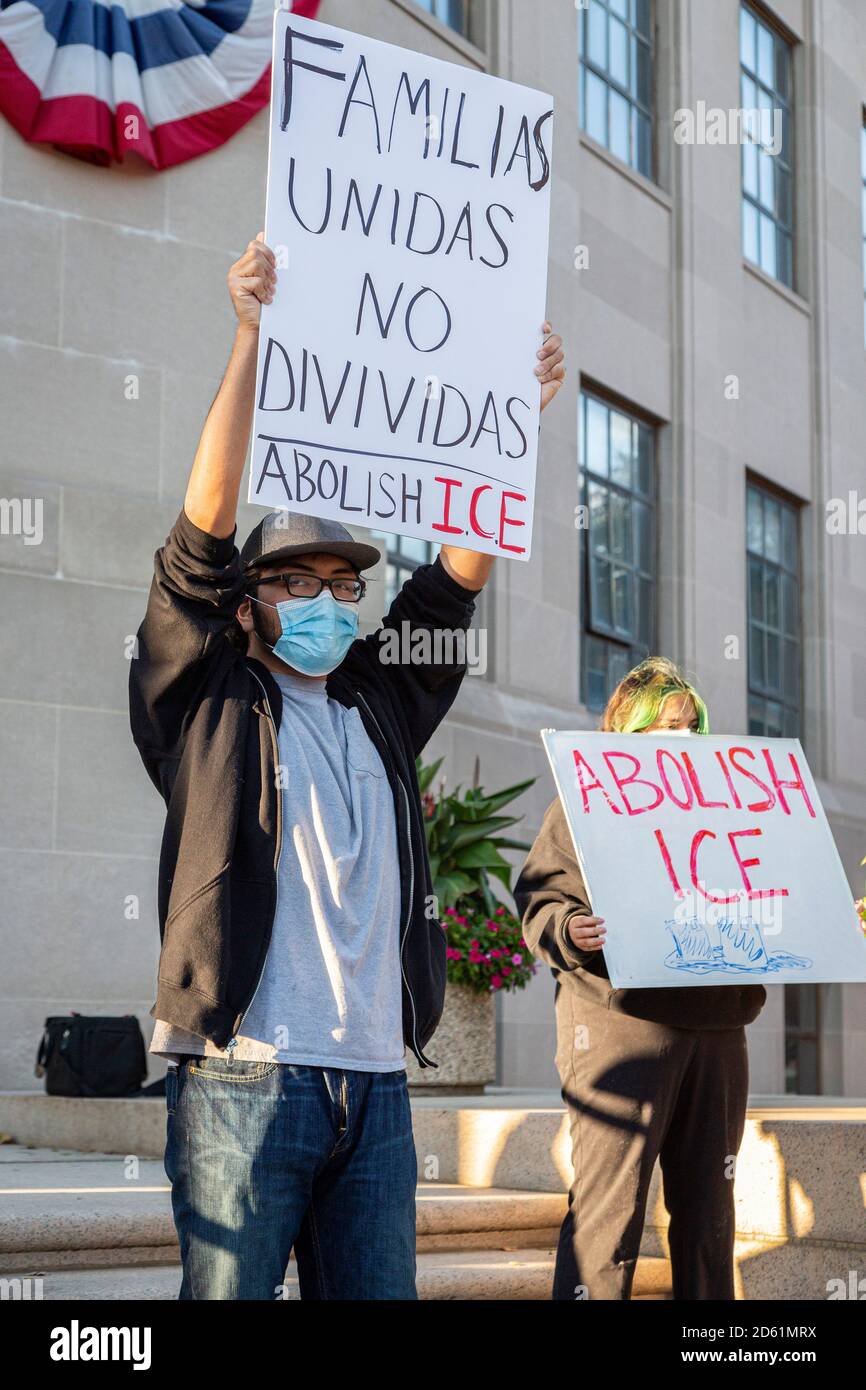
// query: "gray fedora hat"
[[281, 535]]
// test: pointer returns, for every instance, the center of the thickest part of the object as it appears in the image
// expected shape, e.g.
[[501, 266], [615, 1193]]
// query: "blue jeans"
[[263, 1157]]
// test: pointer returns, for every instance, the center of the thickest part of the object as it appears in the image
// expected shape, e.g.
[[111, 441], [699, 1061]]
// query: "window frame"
[[763, 691], [402, 565], [432, 7], [475, 20], [798, 1035], [636, 106], [617, 642], [787, 230]]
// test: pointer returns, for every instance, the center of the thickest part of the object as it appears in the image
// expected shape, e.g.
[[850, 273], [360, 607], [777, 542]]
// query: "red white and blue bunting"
[[103, 78]]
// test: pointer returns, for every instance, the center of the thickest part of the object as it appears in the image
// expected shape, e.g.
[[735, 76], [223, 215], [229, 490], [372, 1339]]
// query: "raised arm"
[[211, 501], [197, 581]]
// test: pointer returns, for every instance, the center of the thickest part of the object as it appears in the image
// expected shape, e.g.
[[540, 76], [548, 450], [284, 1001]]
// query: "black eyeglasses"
[[310, 586]]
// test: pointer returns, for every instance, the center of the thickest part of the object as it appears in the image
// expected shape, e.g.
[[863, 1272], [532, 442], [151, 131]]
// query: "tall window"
[[863, 199], [773, 560], [616, 64], [803, 1025], [773, 582], [616, 453], [767, 148], [403, 554], [454, 13]]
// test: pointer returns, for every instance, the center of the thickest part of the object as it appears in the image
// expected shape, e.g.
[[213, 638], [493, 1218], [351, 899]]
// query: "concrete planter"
[[464, 1044]]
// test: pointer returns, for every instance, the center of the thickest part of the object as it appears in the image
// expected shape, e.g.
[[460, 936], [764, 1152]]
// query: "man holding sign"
[[301, 952]]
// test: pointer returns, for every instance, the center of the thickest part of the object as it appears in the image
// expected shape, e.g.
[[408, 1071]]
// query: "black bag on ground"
[[92, 1056]]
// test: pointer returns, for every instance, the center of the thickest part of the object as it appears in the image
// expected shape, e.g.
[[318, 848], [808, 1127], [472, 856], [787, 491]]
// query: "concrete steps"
[[480, 1276], [99, 1227], [798, 1191], [63, 1210]]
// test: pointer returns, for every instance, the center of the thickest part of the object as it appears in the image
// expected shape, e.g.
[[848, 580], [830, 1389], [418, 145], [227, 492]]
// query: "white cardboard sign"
[[408, 206], [710, 859]]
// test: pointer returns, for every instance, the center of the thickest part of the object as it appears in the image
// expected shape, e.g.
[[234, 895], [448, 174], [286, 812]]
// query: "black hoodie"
[[205, 719]]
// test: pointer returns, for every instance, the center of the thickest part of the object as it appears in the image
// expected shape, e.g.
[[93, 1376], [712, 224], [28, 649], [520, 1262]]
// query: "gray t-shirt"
[[330, 994]]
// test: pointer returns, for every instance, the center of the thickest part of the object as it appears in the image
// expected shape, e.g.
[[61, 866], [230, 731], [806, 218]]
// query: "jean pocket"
[[239, 1073], [171, 1090]]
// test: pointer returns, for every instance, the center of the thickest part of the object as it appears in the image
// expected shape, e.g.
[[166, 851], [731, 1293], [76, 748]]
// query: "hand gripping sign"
[[408, 207], [710, 859]]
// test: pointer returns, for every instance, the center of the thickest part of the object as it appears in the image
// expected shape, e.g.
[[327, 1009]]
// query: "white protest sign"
[[408, 206], [709, 858]]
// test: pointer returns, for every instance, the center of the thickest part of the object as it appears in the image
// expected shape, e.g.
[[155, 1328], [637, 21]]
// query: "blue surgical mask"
[[317, 632]]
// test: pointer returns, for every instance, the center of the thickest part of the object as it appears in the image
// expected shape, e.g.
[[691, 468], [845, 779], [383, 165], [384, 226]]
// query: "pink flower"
[[517, 959], [453, 954], [496, 982], [506, 969], [499, 911]]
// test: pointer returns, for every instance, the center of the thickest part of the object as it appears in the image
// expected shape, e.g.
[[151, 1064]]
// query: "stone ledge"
[[86, 1126], [799, 1170], [478, 1276], [61, 1209]]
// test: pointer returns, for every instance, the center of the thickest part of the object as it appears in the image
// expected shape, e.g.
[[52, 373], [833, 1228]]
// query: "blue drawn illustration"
[[726, 946]]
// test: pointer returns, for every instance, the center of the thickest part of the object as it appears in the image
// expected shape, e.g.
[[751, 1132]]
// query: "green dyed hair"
[[638, 699]]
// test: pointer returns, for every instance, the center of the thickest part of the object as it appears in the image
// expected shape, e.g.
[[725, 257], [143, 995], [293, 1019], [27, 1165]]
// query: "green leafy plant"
[[465, 840], [486, 951]]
